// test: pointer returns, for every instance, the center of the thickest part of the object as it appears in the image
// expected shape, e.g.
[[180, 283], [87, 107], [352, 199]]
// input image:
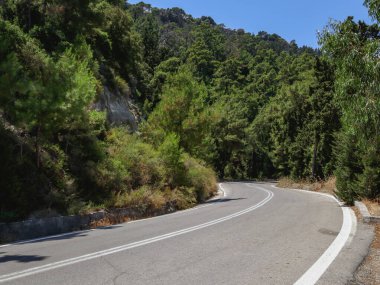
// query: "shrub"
[[171, 157], [200, 178], [139, 159]]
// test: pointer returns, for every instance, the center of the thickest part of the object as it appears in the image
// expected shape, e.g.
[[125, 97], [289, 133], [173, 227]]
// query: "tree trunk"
[[38, 151], [315, 152]]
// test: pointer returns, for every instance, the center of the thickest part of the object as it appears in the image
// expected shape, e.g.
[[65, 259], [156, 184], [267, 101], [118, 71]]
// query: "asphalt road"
[[254, 234]]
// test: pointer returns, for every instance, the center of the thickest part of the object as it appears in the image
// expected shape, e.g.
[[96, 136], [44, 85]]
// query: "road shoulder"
[[345, 269], [342, 270], [368, 273]]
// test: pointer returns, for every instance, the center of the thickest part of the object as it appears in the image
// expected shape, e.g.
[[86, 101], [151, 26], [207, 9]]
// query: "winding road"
[[253, 233]]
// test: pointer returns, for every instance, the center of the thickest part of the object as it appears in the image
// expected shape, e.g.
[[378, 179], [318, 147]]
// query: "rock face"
[[120, 108]]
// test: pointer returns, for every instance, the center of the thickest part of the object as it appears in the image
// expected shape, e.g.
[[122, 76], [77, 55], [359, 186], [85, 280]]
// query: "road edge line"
[[348, 229]]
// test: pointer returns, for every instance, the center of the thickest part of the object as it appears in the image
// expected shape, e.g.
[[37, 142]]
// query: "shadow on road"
[[273, 181], [108, 227], [223, 200], [21, 258], [68, 235], [55, 238]]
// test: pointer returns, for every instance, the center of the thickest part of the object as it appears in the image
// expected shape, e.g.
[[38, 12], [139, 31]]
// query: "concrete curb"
[[367, 217]]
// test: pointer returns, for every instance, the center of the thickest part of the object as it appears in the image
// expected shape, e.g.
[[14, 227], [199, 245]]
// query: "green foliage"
[[115, 41], [347, 168], [183, 110], [11, 77], [353, 50], [161, 75], [132, 164], [230, 75], [149, 30], [206, 51], [171, 155], [24, 188], [296, 127], [55, 92], [220, 102], [373, 8], [369, 180], [247, 106], [55, 57], [97, 122], [200, 178], [136, 157], [356, 73]]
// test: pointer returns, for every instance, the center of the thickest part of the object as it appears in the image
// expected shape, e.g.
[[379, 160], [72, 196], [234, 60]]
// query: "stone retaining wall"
[[36, 228]]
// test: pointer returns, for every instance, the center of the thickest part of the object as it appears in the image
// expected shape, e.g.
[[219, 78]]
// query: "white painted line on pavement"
[[58, 264], [314, 273], [353, 229], [223, 190]]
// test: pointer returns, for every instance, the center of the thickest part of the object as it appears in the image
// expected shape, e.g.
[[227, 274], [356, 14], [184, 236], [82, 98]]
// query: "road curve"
[[254, 234]]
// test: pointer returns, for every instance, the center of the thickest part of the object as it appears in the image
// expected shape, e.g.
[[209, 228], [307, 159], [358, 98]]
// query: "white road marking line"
[[223, 190], [353, 229], [58, 264], [314, 273]]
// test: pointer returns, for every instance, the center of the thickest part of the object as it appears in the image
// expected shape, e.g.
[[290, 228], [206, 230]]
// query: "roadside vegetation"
[[211, 103], [323, 186]]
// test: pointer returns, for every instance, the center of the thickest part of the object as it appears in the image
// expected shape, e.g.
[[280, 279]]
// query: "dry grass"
[[358, 214], [286, 182], [147, 203], [376, 242], [373, 206], [141, 198], [324, 186], [108, 221]]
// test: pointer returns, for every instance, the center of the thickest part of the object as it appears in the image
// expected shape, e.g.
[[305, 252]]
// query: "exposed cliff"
[[120, 108]]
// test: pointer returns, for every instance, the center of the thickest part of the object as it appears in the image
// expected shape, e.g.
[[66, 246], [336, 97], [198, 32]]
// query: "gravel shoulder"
[[368, 273]]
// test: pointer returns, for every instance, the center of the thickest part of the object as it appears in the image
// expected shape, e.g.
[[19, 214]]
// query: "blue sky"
[[291, 19]]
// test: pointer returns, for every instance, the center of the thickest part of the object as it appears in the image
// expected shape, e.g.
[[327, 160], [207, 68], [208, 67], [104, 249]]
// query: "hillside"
[[107, 104]]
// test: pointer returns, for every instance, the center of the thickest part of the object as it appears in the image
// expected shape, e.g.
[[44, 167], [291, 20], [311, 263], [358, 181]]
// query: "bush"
[[171, 156], [139, 159], [201, 178], [358, 168], [122, 171], [144, 199], [166, 174]]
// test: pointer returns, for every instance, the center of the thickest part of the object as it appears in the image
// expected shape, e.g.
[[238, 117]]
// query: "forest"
[[203, 103]]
